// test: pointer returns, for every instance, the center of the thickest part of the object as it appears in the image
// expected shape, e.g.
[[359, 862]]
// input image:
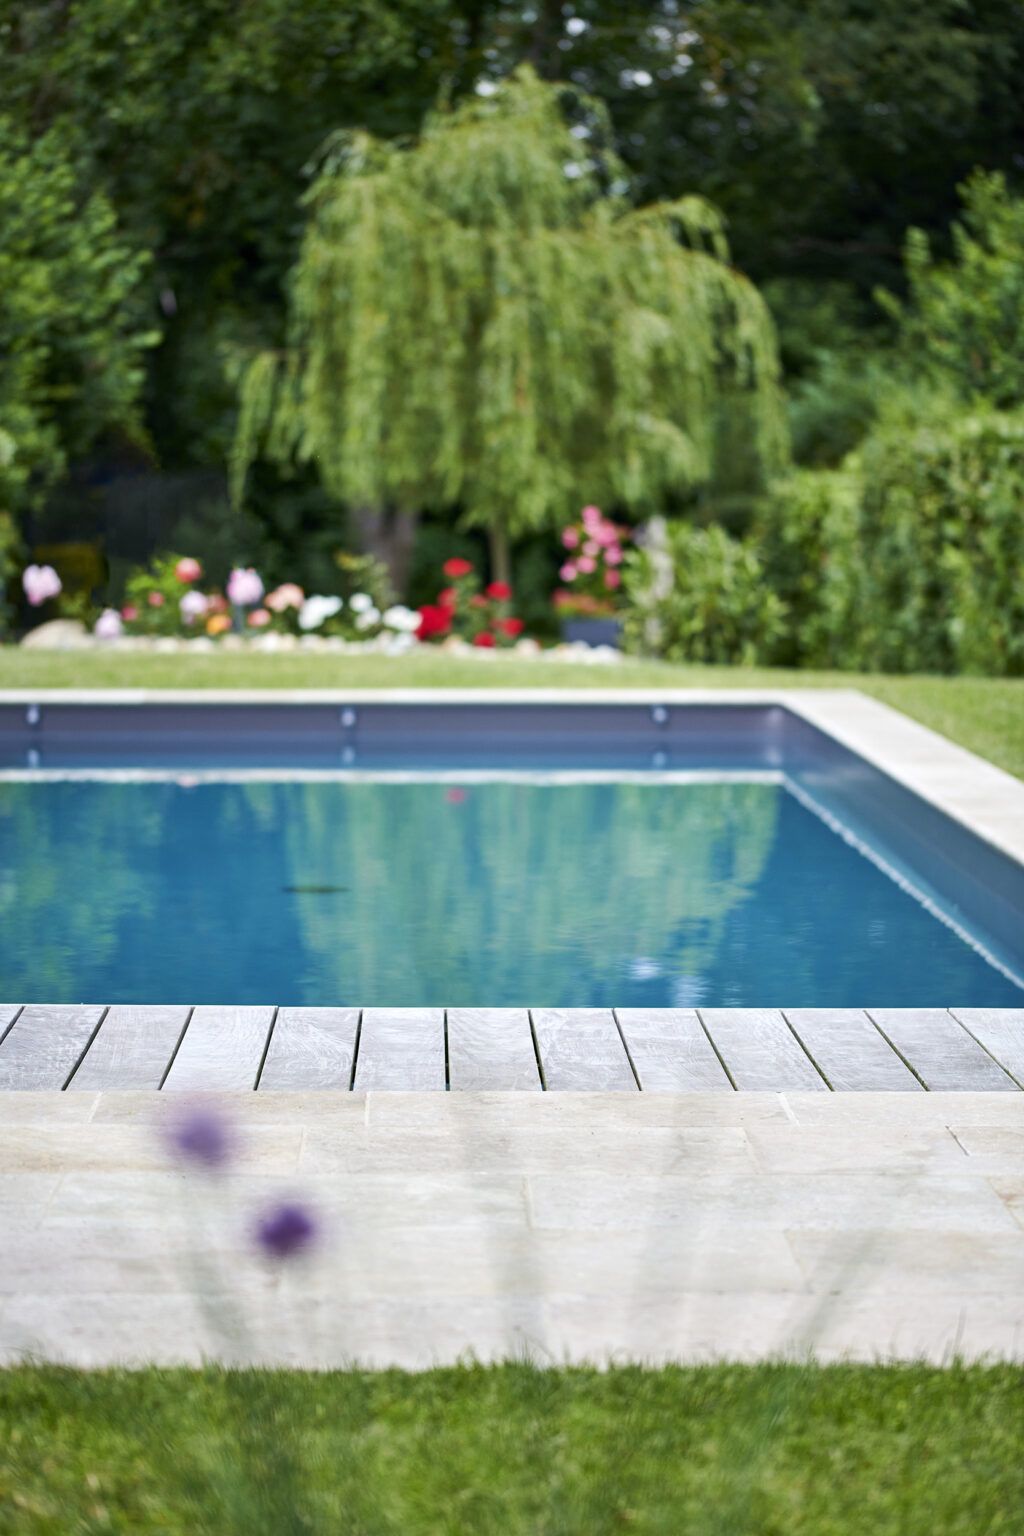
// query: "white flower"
[[405, 620], [360, 602], [368, 618], [316, 609]]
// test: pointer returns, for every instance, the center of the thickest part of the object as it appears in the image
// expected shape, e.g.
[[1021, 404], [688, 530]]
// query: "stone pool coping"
[[964, 786]]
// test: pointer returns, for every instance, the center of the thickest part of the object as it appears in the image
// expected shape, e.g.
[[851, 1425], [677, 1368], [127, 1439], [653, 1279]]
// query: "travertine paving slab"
[[594, 1226]]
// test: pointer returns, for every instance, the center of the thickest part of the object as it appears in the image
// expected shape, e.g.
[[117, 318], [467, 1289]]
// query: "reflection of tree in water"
[[519, 892], [308, 892], [73, 864]]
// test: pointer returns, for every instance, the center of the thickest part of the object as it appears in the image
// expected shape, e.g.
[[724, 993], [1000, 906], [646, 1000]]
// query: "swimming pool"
[[512, 854]]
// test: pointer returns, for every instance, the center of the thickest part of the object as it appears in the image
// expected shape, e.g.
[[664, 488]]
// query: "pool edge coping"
[[985, 799]]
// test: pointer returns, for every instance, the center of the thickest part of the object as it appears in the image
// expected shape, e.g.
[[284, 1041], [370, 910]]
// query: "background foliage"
[[153, 165]]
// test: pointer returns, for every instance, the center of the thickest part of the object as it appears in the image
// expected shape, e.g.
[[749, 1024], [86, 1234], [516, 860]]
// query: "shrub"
[[806, 539], [941, 547], [697, 594], [910, 558]]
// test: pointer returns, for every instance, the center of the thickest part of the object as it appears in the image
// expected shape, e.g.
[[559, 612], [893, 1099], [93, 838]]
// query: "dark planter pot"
[[593, 631]]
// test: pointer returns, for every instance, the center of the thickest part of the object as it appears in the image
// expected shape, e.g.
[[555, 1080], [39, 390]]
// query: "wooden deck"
[[676, 1050]]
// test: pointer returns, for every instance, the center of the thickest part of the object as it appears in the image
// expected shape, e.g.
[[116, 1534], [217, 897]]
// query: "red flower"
[[485, 639], [500, 591], [448, 598], [510, 627], [433, 621], [456, 567]]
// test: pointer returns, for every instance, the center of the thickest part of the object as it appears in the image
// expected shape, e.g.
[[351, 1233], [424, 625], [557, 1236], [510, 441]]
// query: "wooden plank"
[[849, 1051], [1001, 1032], [222, 1049], [43, 1046], [132, 1048], [8, 1013], [760, 1051], [311, 1048], [940, 1050], [670, 1051], [581, 1050], [491, 1049], [401, 1049]]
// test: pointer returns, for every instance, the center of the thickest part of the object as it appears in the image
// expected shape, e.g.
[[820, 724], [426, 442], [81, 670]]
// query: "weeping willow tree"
[[480, 321]]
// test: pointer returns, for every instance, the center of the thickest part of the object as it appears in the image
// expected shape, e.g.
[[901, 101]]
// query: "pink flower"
[[613, 555], [568, 571], [194, 605], [129, 612], [155, 599], [586, 563], [591, 548], [607, 534], [259, 618], [244, 586], [591, 517], [286, 596], [570, 537], [108, 626], [40, 582], [612, 579], [188, 569]]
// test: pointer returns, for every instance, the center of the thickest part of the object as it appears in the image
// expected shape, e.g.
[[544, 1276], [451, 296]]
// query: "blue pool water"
[[553, 894]]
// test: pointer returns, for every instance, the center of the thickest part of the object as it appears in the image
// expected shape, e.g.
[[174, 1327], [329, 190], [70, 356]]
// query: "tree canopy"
[[73, 328], [480, 320]]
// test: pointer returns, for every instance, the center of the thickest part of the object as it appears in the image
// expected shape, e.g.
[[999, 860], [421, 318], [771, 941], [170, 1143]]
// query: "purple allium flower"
[[285, 1230], [201, 1137]]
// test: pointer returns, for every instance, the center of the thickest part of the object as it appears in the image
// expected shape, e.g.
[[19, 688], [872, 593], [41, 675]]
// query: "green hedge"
[[910, 558]]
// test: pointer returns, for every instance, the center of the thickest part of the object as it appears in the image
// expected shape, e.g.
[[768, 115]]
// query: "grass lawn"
[[711, 1451], [984, 714]]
